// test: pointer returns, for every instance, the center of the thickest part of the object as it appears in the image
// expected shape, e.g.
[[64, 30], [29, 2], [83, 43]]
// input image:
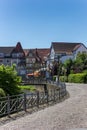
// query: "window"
[[19, 54], [1, 60], [7, 55], [1, 54], [8, 61], [27, 60], [30, 65], [14, 55]]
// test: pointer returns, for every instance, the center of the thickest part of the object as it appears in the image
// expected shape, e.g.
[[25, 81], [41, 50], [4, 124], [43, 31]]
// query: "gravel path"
[[70, 114]]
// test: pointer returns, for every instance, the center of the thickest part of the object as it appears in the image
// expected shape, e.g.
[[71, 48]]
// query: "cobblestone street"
[[71, 114]]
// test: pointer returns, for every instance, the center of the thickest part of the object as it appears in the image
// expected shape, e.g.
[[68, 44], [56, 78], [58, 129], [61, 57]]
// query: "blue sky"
[[37, 23]]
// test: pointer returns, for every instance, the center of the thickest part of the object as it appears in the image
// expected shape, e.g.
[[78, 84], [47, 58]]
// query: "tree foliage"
[[80, 64], [68, 65], [2, 93], [9, 80]]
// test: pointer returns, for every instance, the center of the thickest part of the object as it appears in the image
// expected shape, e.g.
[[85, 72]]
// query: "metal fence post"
[[38, 99], [65, 91], [8, 104], [54, 95], [47, 97], [25, 102], [59, 94]]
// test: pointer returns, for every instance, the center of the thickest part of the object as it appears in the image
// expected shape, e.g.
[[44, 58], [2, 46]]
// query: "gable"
[[40, 54], [30, 53], [81, 49], [43, 53], [18, 49]]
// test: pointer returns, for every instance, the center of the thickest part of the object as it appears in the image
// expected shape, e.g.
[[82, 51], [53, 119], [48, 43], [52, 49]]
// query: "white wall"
[[64, 58], [73, 56], [80, 49], [52, 53]]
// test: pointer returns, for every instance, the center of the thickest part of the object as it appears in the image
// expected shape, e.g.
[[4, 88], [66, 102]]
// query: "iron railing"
[[12, 104]]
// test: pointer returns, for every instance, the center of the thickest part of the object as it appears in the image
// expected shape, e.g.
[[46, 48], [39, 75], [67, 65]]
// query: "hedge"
[[63, 78], [78, 78]]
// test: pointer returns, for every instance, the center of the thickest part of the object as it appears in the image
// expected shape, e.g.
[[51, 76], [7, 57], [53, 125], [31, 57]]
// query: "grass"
[[27, 87]]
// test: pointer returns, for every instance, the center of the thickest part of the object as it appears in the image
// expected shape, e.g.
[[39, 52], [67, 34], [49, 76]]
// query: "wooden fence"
[[22, 102]]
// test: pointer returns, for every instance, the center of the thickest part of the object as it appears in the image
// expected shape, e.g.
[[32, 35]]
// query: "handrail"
[[22, 102]]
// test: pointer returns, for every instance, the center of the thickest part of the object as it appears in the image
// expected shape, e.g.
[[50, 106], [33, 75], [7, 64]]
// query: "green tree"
[[68, 65], [80, 63], [9, 80]]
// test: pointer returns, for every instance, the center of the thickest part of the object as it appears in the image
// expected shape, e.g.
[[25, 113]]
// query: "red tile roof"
[[41, 52]]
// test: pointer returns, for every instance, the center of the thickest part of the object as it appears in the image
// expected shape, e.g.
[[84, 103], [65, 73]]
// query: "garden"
[[74, 71], [10, 82]]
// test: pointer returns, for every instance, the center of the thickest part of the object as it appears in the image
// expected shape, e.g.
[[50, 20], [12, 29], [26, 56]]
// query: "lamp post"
[[57, 57], [58, 71]]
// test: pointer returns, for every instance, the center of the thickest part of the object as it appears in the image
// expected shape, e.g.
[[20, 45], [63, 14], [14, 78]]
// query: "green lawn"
[[27, 87]]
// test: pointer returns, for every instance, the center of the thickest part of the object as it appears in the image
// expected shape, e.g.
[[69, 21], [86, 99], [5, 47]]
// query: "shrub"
[[78, 78], [2, 93], [63, 78], [85, 71], [9, 80]]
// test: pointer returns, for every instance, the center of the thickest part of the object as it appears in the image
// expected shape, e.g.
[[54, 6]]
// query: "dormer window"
[[30, 55]]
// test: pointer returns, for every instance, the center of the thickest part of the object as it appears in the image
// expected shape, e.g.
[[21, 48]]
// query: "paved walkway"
[[70, 114]]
